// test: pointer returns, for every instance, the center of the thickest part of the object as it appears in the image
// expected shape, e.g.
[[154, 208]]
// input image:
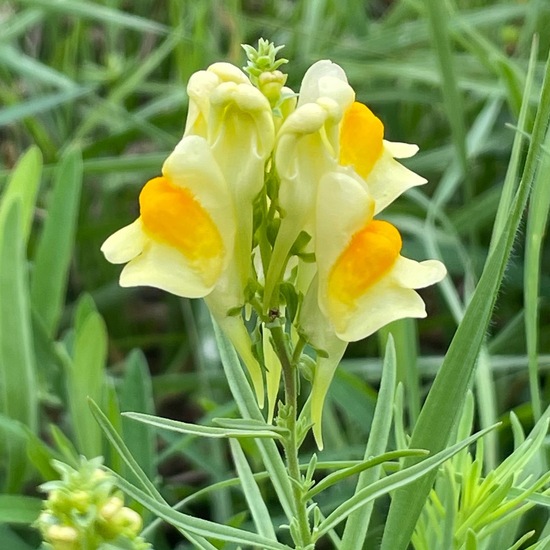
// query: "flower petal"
[[320, 334], [325, 79], [389, 299], [401, 150], [125, 244], [343, 207], [412, 274], [228, 72], [383, 303], [389, 179], [162, 266], [192, 166], [272, 375], [199, 89]]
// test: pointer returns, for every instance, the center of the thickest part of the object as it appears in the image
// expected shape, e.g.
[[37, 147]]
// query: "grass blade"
[[358, 523], [54, 252], [447, 394], [18, 384]]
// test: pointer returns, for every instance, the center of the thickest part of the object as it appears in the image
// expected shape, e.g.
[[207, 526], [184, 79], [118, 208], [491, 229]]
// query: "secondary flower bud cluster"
[[84, 510], [270, 203]]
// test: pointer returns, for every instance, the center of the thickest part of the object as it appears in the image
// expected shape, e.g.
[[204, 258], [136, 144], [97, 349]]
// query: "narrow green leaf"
[[512, 172], [446, 396], [85, 379], [471, 540], [65, 446], [393, 482], [195, 429], [24, 182], [32, 107], [118, 443], [32, 69], [18, 385], [357, 524], [54, 251], [536, 223], [195, 525], [136, 394], [14, 436], [256, 504], [543, 544], [405, 336], [19, 509], [438, 18], [240, 389], [366, 464], [522, 540], [247, 424], [10, 539], [100, 13]]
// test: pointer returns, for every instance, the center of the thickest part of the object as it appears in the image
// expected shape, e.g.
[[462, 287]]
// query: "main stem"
[[291, 441]]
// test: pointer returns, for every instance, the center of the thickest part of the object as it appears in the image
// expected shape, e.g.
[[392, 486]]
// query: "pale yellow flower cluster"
[[325, 171]]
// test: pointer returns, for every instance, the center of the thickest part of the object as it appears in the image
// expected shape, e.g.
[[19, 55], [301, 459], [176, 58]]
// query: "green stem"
[[291, 442]]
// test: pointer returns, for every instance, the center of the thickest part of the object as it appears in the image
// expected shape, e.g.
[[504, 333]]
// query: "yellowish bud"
[[128, 521], [271, 84], [111, 508], [62, 537]]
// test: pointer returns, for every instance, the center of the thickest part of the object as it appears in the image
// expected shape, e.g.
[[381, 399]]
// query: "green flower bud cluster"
[[262, 68], [84, 511]]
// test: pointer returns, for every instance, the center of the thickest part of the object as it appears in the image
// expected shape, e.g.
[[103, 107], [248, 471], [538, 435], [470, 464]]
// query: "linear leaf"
[[357, 525], [23, 183], [136, 394], [18, 385], [394, 481], [248, 408], [85, 374], [54, 252], [195, 429], [195, 525], [367, 464], [448, 391], [256, 504], [32, 107], [99, 12]]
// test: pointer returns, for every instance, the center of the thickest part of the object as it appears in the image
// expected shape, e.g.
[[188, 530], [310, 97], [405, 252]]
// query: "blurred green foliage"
[[94, 92]]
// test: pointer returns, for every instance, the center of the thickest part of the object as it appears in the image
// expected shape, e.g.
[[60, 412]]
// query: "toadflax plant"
[[274, 211], [271, 209]]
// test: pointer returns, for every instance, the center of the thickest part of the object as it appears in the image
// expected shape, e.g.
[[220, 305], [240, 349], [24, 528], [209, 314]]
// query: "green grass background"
[[97, 89]]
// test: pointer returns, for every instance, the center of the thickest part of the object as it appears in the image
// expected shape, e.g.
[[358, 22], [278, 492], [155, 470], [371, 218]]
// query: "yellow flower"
[[363, 282], [330, 132], [183, 239], [188, 239], [236, 120]]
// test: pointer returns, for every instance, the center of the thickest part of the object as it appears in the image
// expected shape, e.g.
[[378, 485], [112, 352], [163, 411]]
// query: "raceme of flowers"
[[271, 203]]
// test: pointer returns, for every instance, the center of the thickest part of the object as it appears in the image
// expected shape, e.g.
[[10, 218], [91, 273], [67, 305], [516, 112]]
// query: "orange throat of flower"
[[172, 216], [361, 139], [370, 254]]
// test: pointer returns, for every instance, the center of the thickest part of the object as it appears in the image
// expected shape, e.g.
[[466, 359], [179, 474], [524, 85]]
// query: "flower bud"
[[271, 84], [62, 537]]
